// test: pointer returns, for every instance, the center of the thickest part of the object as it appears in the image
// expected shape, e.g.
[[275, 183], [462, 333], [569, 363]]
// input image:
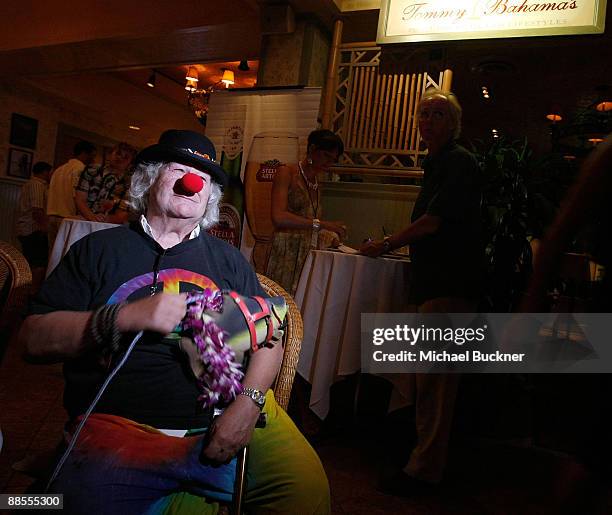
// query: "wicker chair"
[[15, 283], [284, 381], [293, 342]]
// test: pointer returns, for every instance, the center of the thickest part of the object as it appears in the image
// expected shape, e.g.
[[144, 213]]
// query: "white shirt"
[[33, 195], [61, 190], [148, 230]]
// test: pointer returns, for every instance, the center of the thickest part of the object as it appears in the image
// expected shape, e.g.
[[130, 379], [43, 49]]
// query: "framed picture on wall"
[[19, 163], [24, 131]]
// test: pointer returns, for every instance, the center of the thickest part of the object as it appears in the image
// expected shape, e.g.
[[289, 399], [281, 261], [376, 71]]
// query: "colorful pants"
[[121, 467]]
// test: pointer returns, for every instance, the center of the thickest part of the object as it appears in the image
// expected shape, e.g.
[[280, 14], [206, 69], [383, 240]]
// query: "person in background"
[[582, 485], [297, 213], [447, 272], [101, 193], [32, 222], [60, 202]]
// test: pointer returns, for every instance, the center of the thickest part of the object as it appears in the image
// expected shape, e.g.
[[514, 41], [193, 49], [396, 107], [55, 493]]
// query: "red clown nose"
[[192, 183]]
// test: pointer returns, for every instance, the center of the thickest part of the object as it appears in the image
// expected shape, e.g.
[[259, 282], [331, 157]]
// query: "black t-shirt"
[[449, 263], [156, 385]]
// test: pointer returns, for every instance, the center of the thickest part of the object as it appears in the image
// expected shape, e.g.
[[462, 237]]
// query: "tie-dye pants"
[[121, 467]]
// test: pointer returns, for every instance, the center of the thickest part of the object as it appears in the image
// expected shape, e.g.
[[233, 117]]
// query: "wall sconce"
[[192, 74], [151, 81], [603, 100], [244, 66], [554, 115], [228, 78], [604, 106]]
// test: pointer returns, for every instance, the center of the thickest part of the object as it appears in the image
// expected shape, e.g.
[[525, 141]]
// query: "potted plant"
[[505, 208]]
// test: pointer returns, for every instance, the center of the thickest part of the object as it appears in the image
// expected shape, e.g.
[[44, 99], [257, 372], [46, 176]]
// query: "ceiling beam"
[[226, 42]]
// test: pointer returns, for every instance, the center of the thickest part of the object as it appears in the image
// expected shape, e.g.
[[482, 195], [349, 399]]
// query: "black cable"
[[60, 464]]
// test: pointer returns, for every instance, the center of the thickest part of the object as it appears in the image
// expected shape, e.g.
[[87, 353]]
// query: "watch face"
[[258, 398]]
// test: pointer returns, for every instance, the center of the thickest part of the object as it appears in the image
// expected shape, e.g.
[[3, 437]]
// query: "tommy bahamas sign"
[[439, 20]]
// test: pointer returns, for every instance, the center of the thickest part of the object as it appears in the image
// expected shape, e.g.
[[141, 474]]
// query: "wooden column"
[[447, 80], [330, 82]]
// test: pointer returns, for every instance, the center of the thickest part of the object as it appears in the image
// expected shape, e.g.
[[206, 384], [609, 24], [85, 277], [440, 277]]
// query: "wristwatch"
[[258, 397]]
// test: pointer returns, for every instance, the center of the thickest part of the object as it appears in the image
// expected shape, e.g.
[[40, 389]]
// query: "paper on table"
[[347, 250]]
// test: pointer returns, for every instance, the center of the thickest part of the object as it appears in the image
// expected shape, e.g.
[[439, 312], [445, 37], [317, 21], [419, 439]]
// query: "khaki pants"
[[435, 396]]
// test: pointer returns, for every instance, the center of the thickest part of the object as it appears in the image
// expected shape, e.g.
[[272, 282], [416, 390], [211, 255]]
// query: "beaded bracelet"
[[103, 327]]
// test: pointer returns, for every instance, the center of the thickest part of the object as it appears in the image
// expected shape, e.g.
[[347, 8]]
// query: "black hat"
[[186, 147]]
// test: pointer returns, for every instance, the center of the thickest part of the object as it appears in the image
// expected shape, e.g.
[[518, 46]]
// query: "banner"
[[402, 21], [231, 209], [285, 110]]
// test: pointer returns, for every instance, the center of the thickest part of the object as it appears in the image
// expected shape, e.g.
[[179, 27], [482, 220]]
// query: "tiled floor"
[[484, 477]]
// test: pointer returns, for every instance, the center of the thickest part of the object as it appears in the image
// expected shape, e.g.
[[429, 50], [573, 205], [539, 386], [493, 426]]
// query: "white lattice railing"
[[375, 113]]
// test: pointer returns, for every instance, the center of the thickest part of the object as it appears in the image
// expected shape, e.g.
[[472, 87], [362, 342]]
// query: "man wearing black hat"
[[116, 282]]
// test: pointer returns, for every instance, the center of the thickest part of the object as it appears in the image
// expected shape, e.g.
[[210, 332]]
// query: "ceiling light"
[[595, 140], [151, 81], [134, 127], [228, 78], [192, 74], [191, 85]]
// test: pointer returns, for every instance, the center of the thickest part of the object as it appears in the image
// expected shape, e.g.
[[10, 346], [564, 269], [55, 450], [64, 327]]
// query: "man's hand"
[[373, 248], [232, 430], [160, 313]]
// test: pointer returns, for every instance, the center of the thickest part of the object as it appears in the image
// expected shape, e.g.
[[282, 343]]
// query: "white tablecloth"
[[71, 230], [333, 291]]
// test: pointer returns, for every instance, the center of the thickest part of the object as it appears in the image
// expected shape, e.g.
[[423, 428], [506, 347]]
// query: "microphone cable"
[[73, 441]]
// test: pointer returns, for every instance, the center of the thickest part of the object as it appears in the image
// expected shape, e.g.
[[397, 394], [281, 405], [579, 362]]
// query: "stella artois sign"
[[267, 170], [403, 21]]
